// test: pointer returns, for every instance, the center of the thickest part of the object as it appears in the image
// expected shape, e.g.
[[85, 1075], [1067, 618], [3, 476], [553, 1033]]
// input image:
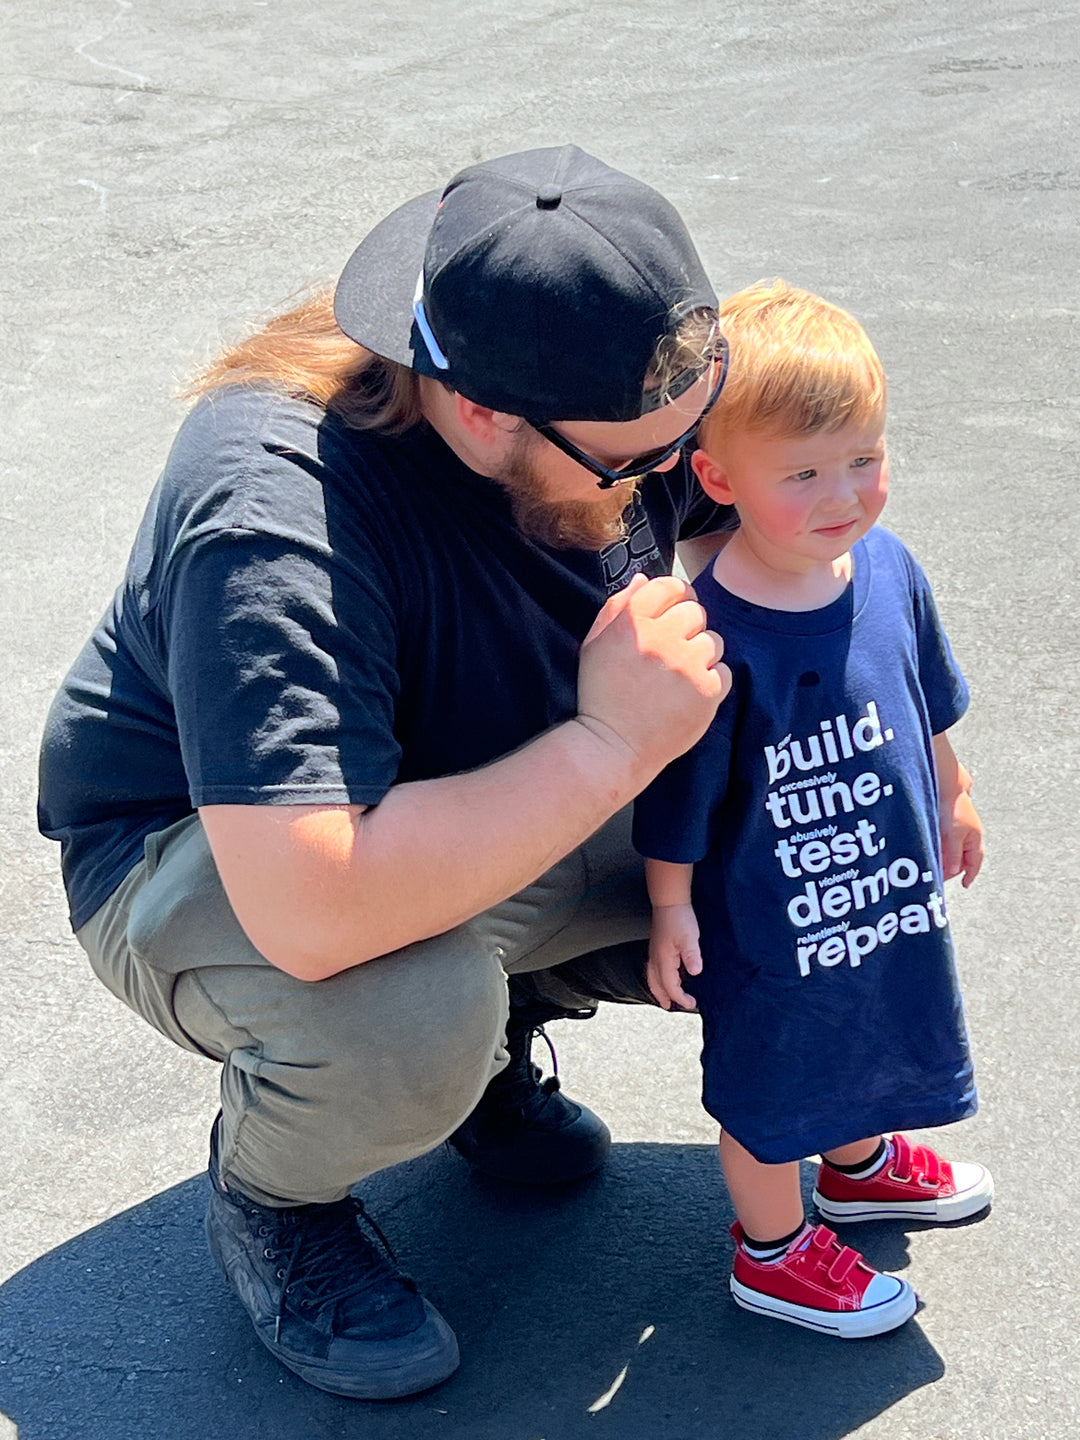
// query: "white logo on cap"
[[420, 316]]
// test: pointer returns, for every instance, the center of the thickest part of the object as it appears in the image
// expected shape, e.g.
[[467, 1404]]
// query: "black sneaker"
[[525, 1129], [325, 1297]]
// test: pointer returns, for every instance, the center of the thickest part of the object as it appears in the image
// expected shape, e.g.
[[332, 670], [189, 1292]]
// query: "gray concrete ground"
[[169, 170]]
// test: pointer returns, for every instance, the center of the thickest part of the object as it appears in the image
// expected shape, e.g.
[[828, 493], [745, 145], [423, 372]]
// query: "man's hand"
[[674, 947], [651, 676]]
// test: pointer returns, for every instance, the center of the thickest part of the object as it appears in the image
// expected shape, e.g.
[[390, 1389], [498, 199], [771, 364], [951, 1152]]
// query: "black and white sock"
[[865, 1168], [765, 1250]]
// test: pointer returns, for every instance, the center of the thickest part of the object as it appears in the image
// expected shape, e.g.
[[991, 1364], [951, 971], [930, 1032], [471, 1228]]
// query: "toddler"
[[810, 831]]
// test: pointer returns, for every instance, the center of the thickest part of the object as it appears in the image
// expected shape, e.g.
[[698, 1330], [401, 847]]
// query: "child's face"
[[804, 499]]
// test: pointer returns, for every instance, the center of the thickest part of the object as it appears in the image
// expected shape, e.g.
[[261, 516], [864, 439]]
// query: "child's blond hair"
[[798, 366]]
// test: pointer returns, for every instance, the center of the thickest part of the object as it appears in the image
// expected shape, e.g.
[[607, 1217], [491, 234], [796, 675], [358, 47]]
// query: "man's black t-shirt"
[[311, 615]]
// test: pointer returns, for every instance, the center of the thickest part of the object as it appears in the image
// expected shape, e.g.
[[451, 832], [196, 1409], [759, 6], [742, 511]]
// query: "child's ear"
[[712, 477]]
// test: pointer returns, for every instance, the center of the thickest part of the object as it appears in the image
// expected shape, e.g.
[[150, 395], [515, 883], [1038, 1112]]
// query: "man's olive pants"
[[325, 1082]]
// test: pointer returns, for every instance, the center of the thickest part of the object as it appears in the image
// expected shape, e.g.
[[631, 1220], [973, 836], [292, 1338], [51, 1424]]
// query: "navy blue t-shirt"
[[311, 615], [828, 995]]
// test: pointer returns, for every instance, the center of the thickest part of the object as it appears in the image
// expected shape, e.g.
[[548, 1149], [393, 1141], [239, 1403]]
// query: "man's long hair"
[[305, 353]]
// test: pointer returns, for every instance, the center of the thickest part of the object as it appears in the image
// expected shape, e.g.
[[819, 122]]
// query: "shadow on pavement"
[[128, 1331]]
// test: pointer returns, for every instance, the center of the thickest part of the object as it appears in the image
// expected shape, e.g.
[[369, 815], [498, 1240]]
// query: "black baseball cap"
[[539, 284]]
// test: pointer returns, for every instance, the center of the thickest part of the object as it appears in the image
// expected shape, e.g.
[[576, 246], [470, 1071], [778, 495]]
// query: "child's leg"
[[789, 1270], [855, 1156], [767, 1198]]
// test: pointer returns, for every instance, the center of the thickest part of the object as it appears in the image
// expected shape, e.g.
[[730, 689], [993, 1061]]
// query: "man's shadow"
[[595, 1310]]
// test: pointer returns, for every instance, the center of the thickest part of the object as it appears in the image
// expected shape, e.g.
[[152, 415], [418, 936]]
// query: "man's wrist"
[[611, 759]]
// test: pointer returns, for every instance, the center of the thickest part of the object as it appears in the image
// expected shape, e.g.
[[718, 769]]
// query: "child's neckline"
[[837, 584], [833, 615]]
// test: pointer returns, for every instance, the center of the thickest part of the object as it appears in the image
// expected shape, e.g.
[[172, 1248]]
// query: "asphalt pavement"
[[172, 171]]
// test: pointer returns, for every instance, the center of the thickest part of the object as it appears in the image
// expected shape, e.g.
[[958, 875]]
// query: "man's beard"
[[561, 524]]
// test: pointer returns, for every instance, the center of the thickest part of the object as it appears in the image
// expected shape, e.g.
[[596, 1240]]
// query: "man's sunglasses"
[[641, 464]]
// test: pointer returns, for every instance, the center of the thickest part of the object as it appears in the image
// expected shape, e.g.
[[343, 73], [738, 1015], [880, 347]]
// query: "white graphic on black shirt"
[[636, 553]]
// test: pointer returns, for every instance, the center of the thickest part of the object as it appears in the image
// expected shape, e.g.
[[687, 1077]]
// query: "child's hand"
[[673, 948], [962, 847], [961, 829]]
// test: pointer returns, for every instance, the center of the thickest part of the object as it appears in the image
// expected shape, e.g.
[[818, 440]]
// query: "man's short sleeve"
[[262, 573], [281, 665]]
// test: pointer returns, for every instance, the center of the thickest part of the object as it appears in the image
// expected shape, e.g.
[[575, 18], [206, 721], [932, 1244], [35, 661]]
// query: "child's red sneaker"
[[822, 1285], [914, 1183]]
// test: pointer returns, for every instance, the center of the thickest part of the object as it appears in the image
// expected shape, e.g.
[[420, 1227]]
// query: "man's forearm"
[[318, 889], [335, 886]]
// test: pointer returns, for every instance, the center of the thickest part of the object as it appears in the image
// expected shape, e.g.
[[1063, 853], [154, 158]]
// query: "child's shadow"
[[600, 1309]]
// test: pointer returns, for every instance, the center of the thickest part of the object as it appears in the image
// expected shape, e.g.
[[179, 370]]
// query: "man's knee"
[[326, 1082]]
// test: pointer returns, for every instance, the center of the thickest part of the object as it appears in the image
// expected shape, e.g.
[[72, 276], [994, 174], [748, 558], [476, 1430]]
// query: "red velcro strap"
[[900, 1169], [927, 1161], [822, 1238], [844, 1263]]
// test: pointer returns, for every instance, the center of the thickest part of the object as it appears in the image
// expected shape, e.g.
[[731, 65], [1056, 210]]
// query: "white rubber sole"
[[974, 1193], [844, 1324]]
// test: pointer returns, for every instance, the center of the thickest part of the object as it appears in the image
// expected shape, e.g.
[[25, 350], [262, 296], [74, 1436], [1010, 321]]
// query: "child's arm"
[[673, 939], [961, 829]]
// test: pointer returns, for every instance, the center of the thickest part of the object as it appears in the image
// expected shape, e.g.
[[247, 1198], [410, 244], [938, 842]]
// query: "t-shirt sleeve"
[[674, 816], [943, 684], [281, 665]]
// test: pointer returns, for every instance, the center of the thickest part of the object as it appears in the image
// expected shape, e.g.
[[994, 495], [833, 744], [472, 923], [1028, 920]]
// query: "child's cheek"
[[792, 512]]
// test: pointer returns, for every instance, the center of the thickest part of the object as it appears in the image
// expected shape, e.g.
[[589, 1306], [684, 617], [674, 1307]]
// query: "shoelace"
[[522, 1087], [319, 1250], [519, 1086]]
